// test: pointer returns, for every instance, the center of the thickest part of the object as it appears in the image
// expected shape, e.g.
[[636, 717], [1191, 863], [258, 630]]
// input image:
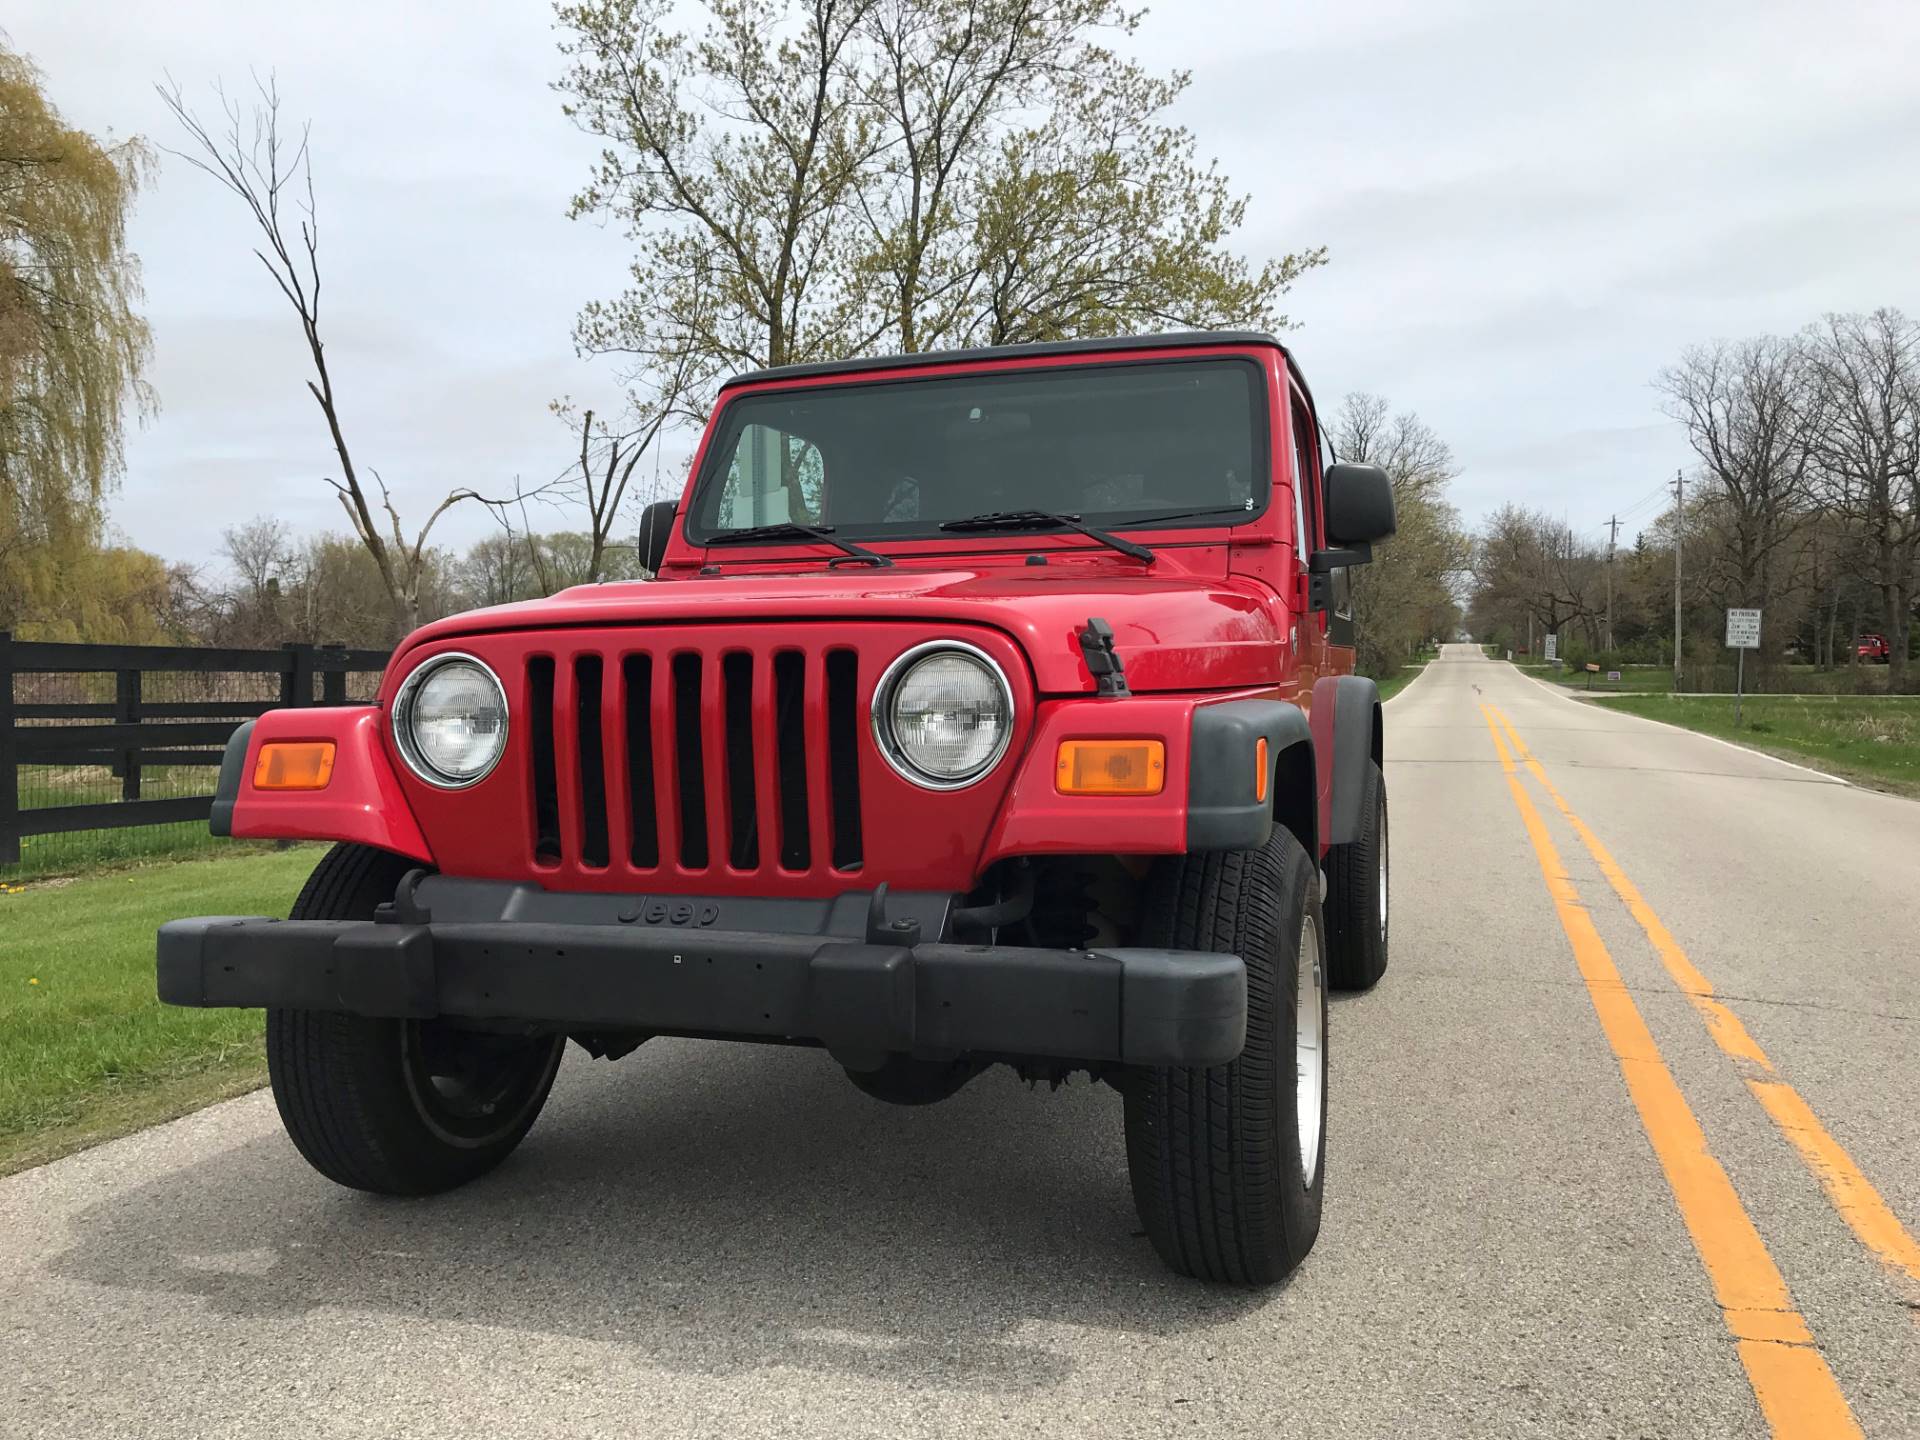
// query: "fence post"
[[333, 679], [126, 711], [296, 681], [9, 760]]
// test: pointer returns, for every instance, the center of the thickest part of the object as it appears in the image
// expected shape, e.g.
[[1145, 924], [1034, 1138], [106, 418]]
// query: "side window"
[[1306, 483], [773, 477]]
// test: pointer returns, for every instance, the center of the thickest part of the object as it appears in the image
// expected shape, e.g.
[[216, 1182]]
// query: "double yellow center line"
[[1796, 1390]]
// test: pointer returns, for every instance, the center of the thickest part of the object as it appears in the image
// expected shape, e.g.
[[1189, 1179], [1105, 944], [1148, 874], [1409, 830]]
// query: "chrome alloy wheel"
[[1309, 1046]]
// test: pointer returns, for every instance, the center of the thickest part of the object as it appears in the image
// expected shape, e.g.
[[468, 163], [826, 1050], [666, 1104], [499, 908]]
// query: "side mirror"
[[656, 526], [1359, 505]]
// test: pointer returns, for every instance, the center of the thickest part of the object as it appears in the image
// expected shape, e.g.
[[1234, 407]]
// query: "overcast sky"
[[1531, 207]]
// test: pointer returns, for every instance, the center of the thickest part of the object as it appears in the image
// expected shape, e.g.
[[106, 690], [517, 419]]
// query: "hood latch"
[[1109, 673]]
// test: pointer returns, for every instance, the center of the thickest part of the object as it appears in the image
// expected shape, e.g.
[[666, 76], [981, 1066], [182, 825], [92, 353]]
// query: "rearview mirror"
[[1359, 505], [656, 525]]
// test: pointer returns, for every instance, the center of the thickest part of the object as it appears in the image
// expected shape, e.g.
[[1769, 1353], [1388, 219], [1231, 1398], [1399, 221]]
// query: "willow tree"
[[72, 345], [809, 179]]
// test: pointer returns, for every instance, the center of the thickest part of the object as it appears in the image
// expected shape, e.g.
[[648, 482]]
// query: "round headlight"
[[943, 714], [450, 719]]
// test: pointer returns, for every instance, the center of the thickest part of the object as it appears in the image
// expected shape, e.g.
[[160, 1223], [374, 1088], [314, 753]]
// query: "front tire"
[[1226, 1161], [1357, 894], [398, 1107]]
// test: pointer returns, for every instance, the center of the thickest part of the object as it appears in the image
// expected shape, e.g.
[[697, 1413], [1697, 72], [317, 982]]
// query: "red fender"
[[362, 803]]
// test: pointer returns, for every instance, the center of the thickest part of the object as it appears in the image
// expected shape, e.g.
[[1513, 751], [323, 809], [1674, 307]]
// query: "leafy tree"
[[1406, 596], [72, 346], [809, 179], [731, 159]]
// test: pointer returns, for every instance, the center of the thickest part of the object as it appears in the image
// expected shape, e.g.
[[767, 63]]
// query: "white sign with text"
[[1743, 629]]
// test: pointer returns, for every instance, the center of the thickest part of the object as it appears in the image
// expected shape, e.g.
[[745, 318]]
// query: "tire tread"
[[1208, 1180], [336, 1078]]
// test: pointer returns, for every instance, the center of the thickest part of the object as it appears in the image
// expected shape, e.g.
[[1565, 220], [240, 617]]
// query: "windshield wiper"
[[790, 530], [1244, 510], [1043, 520]]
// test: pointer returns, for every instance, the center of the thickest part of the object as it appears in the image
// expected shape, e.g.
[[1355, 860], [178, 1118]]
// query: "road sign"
[[1553, 648], [1743, 634]]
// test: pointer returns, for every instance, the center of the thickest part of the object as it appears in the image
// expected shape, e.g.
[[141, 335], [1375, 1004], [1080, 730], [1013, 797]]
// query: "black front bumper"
[[661, 965]]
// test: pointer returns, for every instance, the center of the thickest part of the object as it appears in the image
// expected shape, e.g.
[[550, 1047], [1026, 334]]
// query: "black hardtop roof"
[[1009, 352]]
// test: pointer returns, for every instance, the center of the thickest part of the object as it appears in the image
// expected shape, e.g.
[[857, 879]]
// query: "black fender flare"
[[233, 769], [1224, 812], [1351, 707]]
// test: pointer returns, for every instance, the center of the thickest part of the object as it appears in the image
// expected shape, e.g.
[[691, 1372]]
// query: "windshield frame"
[[733, 417]]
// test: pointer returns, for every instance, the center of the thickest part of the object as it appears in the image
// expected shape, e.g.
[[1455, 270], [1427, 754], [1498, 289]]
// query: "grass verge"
[[1871, 739], [1658, 679], [1406, 674], [86, 1051]]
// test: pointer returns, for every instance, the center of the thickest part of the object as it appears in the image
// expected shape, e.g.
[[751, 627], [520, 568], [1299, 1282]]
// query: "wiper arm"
[[1046, 519], [790, 530], [1244, 510]]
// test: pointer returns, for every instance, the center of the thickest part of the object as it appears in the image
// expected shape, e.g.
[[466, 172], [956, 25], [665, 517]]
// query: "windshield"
[[1111, 444]]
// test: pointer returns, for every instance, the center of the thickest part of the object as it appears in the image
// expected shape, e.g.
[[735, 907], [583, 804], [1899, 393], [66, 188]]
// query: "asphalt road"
[[1523, 1235]]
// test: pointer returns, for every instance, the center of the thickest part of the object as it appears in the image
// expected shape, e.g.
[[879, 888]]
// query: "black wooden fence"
[[90, 710]]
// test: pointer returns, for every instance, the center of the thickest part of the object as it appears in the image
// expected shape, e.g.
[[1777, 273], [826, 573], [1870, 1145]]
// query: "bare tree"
[[258, 551], [1528, 564], [1866, 451], [1747, 410], [602, 482], [272, 176]]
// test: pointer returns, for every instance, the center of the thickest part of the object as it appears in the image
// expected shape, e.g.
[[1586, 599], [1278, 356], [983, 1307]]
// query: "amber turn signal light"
[[1260, 771], [1111, 767], [294, 765]]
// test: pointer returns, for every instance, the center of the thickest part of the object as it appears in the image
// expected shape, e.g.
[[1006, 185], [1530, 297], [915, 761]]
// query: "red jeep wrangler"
[[989, 707], [1876, 649]]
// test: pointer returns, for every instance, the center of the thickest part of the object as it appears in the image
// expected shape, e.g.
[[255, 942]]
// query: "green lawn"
[[1658, 679], [86, 1051], [1872, 739], [1634, 679]]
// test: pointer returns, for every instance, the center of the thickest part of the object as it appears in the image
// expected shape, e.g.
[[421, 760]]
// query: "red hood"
[[1174, 632]]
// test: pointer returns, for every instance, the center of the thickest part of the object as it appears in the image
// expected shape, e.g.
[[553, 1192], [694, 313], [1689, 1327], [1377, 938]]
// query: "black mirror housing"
[[656, 526], [1359, 505]]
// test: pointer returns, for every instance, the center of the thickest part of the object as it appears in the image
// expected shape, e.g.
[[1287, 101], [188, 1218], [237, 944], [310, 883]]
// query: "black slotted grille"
[[593, 766], [636, 673], [689, 751], [789, 681], [747, 759]]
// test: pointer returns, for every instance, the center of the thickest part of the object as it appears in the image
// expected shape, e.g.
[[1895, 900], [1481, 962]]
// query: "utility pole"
[[1613, 531], [1679, 523]]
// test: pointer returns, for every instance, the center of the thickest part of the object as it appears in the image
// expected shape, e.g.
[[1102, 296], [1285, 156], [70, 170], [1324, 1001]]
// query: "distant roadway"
[[1627, 1143]]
